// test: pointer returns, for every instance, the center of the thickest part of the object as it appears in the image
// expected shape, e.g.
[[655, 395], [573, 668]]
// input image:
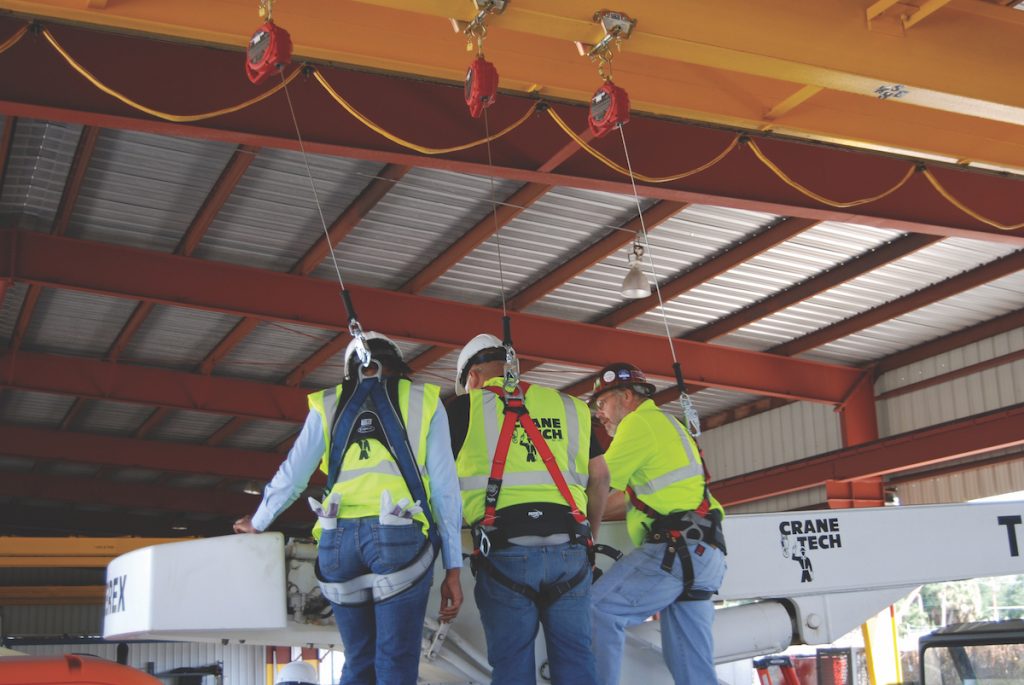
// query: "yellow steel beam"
[[53, 594], [20, 552], [727, 62], [928, 8]]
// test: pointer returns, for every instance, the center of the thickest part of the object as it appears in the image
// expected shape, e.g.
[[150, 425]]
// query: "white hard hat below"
[[297, 673], [484, 341], [370, 336]]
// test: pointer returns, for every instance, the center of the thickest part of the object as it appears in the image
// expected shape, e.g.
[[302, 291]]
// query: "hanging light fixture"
[[635, 285], [252, 488]]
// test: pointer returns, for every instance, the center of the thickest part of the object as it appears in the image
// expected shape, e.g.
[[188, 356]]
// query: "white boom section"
[[815, 575]]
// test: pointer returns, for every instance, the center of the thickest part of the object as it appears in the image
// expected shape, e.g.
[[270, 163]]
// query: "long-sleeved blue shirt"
[[293, 476]]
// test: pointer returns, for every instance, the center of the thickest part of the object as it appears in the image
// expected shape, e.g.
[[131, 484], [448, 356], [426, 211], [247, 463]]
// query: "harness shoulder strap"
[[516, 412], [396, 437]]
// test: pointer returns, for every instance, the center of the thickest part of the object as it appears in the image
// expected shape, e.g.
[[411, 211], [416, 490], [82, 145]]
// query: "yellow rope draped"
[[821, 198], [9, 43], [964, 208], [405, 143], [623, 170], [758, 153], [178, 118]]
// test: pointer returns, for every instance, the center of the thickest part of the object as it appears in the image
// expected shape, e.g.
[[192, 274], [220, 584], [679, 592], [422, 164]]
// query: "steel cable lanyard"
[[368, 388], [609, 108]]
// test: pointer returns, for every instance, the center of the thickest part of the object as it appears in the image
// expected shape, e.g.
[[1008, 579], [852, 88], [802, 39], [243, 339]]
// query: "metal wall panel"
[[990, 389], [803, 499], [47, 621], [775, 437], [983, 481], [242, 664]]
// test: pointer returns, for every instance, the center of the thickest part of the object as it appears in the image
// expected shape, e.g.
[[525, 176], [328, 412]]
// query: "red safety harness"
[[517, 413]]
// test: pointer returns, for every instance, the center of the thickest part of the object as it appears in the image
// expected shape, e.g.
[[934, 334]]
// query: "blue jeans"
[[634, 588], [382, 640], [511, 620]]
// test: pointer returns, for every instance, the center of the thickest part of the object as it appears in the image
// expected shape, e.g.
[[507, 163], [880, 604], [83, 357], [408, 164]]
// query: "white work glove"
[[328, 511], [397, 514]]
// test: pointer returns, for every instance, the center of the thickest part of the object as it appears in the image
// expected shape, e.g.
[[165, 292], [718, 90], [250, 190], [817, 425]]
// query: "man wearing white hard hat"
[[297, 673], [392, 500], [529, 485]]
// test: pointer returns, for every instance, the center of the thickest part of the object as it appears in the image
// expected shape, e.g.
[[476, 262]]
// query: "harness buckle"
[[484, 543]]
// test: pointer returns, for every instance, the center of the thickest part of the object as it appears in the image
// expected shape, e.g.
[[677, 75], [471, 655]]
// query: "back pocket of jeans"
[[397, 546]]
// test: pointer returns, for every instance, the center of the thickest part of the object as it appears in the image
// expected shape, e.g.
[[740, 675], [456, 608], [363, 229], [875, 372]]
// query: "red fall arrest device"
[[481, 86], [270, 48], [608, 108]]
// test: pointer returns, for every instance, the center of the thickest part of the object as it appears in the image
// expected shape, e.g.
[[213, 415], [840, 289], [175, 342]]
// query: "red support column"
[[858, 420], [859, 424]]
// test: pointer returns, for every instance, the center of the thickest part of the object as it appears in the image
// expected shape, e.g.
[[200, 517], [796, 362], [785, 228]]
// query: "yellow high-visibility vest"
[[368, 468], [654, 454], [564, 422]]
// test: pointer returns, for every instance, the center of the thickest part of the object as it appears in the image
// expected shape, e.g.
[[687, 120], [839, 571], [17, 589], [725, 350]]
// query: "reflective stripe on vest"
[[526, 478], [692, 469], [384, 472]]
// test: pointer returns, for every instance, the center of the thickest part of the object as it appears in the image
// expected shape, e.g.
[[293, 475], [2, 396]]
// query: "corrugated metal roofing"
[[271, 218], [542, 237], [694, 235], [33, 408], [118, 418], [70, 322], [261, 435], [178, 337], [416, 221], [272, 350], [187, 426], [38, 164], [143, 190]]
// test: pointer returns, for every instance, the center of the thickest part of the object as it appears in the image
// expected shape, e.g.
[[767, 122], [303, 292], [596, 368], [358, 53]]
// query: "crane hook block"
[[481, 86], [270, 49], [609, 108]]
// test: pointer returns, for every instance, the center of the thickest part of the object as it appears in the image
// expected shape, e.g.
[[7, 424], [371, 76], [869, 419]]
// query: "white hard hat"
[[384, 345], [484, 341], [297, 673]]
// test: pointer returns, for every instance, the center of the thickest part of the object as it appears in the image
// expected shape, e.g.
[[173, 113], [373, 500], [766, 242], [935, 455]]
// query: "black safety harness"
[[701, 526], [495, 529]]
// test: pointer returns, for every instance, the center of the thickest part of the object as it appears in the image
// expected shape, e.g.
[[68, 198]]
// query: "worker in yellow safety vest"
[[529, 484], [391, 501], [675, 523]]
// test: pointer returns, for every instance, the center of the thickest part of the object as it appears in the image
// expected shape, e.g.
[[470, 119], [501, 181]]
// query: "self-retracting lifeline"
[[376, 394]]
